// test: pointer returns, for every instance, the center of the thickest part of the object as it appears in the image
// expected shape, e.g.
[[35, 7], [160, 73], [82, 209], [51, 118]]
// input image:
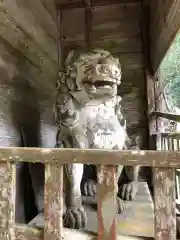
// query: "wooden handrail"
[[167, 115], [174, 135], [91, 156], [165, 202]]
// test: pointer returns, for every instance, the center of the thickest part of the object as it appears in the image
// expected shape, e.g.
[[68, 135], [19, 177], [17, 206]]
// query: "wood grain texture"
[[15, 65], [43, 17], [106, 194], [107, 23], [7, 200], [28, 23], [91, 156], [73, 27], [53, 202], [119, 45], [151, 95], [164, 195], [165, 204], [29, 59], [165, 23]]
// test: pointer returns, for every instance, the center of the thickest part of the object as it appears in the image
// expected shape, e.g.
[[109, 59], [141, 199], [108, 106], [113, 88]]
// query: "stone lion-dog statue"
[[88, 114]]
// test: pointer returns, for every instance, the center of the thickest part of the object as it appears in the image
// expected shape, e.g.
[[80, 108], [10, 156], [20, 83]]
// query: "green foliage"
[[170, 72]]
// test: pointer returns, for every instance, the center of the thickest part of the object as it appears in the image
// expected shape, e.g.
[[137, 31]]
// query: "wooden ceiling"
[[68, 4]]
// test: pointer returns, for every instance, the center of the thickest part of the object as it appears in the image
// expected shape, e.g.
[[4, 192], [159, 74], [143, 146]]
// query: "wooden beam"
[[60, 42], [150, 83], [91, 156], [174, 135], [106, 25], [129, 45], [170, 116], [88, 21], [72, 5]]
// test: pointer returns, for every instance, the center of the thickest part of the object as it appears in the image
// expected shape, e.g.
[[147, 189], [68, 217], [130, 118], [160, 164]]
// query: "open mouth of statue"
[[103, 83], [100, 83]]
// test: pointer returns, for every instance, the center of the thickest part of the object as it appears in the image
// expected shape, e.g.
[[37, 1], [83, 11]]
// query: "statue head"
[[97, 73]]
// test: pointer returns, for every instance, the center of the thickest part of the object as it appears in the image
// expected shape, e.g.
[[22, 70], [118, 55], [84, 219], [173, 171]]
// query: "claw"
[[128, 190], [75, 218], [89, 188]]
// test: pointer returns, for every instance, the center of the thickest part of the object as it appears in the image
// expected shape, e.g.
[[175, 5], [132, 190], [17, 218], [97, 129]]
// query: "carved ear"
[[69, 58]]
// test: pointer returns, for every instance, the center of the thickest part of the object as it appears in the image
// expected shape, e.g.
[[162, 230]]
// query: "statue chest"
[[101, 126]]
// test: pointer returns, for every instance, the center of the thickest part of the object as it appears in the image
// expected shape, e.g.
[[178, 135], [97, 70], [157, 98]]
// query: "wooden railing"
[[164, 163]]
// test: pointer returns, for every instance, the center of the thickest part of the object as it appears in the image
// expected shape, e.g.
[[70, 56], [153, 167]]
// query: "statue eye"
[[104, 69]]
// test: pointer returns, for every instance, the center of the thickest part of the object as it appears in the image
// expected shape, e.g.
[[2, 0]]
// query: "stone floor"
[[137, 220]]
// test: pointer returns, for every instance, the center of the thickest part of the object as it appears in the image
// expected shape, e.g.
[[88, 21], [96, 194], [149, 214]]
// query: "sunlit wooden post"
[[53, 202], [106, 193]]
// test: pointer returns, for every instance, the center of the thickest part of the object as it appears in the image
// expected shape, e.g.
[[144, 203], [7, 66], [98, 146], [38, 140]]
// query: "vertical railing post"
[[53, 202], [107, 202], [7, 200], [164, 198], [165, 204]]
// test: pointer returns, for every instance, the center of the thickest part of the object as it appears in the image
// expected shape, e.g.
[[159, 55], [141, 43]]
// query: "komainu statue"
[[88, 114]]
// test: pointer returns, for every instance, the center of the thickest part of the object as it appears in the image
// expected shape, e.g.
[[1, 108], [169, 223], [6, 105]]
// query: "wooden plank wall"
[[28, 71], [28, 47], [30, 29], [117, 28], [165, 23]]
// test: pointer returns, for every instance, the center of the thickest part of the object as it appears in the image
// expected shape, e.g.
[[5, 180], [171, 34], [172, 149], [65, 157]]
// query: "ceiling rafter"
[[88, 21], [94, 3]]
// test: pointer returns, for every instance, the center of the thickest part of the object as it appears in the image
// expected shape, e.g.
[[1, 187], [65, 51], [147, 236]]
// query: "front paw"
[[75, 218], [128, 190], [89, 187]]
